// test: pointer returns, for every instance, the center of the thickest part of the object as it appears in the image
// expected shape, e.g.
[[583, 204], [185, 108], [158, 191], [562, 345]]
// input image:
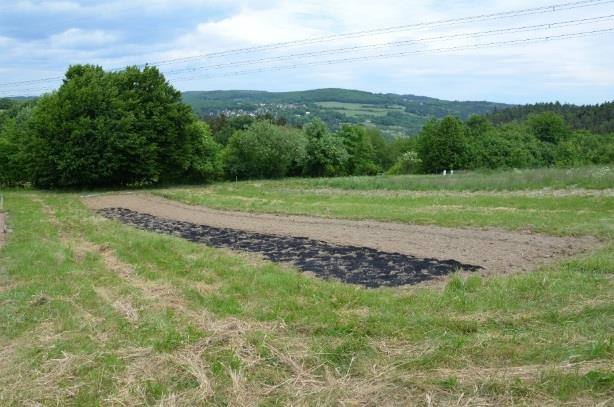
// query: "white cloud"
[[78, 38], [555, 70]]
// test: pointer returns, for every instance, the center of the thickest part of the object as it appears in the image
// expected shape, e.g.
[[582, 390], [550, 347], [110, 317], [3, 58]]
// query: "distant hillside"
[[394, 114], [594, 118]]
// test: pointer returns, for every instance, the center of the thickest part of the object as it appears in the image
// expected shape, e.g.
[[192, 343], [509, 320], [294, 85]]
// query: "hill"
[[594, 118], [394, 114]]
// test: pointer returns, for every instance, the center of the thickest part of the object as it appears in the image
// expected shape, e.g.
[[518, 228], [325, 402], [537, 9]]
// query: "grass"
[[570, 211], [600, 177], [357, 109], [95, 312]]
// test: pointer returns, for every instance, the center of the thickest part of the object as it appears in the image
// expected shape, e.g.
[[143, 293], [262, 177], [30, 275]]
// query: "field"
[[98, 312], [359, 110]]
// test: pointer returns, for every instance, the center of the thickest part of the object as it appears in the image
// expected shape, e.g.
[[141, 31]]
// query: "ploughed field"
[[371, 254], [350, 264], [238, 294]]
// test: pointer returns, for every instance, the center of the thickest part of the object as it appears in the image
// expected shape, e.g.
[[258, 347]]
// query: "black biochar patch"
[[355, 265]]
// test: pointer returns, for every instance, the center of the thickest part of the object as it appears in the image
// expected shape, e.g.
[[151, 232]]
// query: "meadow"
[[96, 312]]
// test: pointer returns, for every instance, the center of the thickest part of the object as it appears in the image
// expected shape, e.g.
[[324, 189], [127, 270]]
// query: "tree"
[[548, 127], [14, 130], [116, 128], [357, 142], [408, 163], [264, 150], [326, 154], [583, 148], [442, 145]]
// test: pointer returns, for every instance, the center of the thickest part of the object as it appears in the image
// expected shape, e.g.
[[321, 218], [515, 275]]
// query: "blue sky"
[[39, 39]]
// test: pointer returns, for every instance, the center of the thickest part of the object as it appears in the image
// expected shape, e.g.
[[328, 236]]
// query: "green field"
[[357, 109], [558, 202], [95, 312]]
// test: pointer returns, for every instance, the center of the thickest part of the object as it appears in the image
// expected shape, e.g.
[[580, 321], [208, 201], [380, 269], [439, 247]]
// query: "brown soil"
[[497, 251]]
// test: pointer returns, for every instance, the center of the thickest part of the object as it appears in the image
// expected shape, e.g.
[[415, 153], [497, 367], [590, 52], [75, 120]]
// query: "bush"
[[508, 146], [408, 163], [585, 148], [264, 150]]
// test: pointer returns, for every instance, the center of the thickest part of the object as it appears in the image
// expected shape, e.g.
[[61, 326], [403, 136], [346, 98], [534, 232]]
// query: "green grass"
[[357, 109], [95, 312], [567, 212], [600, 177]]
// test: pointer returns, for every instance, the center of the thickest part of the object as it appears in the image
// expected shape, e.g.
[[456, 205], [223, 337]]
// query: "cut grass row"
[[557, 215], [597, 177], [96, 312]]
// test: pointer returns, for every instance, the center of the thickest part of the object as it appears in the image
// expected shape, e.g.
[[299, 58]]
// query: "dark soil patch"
[[355, 265]]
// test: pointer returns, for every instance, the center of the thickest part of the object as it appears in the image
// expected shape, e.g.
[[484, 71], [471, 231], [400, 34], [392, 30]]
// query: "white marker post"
[[445, 172]]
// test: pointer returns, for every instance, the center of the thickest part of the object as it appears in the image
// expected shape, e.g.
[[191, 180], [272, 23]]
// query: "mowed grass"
[[558, 202], [95, 312]]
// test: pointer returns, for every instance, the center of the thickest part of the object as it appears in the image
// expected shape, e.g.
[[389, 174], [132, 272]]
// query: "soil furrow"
[[496, 251], [355, 265]]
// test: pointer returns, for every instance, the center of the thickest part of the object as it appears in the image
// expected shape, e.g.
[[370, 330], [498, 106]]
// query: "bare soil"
[[492, 250]]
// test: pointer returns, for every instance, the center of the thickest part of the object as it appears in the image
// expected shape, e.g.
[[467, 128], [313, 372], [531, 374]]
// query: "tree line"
[[594, 118], [127, 128]]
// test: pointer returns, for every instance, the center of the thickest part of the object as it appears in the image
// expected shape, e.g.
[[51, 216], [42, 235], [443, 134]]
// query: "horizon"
[[367, 91], [399, 94]]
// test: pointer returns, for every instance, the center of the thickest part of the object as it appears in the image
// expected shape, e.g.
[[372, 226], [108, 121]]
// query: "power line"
[[386, 30], [495, 44], [398, 43], [553, 8], [498, 44]]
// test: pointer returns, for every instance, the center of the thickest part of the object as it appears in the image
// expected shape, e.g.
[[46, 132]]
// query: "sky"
[[471, 60]]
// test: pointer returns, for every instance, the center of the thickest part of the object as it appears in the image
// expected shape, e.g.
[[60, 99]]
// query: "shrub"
[[408, 163], [264, 150]]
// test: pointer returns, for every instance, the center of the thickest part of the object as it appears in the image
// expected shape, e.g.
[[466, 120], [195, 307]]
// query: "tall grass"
[[598, 177]]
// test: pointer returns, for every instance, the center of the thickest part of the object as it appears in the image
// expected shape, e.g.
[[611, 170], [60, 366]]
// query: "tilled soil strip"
[[356, 265], [497, 251]]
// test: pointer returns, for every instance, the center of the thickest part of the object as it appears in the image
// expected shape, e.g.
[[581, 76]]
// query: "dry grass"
[[88, 333]]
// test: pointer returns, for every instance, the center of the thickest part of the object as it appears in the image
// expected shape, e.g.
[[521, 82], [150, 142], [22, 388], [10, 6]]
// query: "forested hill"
[[594, 118], [400, 114]]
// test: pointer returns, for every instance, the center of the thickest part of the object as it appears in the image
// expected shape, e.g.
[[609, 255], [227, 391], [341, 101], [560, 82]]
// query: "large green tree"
[[326, 153], [116, 128], [548, 127], [359, 146], [442, 145]]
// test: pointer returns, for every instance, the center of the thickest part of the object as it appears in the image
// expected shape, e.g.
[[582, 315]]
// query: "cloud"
[[78, 38], [119, 32]]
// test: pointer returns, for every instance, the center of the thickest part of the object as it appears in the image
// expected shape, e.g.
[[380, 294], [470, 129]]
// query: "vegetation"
[[442, 146], [593, 177], [108, 128], [97, 312], [598, 119], [103, 129], [390, 113], [524, 201], [264, 150]]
